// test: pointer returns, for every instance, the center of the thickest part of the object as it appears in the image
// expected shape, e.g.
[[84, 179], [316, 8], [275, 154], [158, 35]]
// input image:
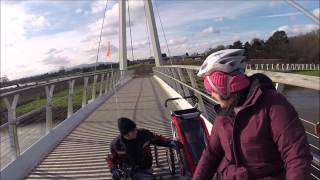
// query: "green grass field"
[[309, 73]]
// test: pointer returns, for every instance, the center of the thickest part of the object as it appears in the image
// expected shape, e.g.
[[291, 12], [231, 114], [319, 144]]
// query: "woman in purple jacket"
[[257, 133]]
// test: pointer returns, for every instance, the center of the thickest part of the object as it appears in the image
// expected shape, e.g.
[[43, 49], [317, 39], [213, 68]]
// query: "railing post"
[[177, 84], [49, 94], [318, 67], [183, 79], [277, 67], [12, 121], [267, 67], [172, 81], [106, 83], [194, 85], [70, 95], [272, 67], [257, 66], [94, 87], [101, 84], [84, 94], [262, 66], [279, 87], [114, 79]]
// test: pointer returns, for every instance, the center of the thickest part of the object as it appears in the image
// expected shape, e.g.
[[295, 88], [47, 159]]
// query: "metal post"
[[304, 11], [114, 80], [183, 79], [169, 72], [279, 87], [194, 85], [13, 134], [106, 84], [153, 32], [70, 95], [122, 36], [175, 76], [84, 94], [101, 84], [94, 87], [49, 94]]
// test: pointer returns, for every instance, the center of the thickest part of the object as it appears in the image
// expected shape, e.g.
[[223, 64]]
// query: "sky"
[[40, 36]]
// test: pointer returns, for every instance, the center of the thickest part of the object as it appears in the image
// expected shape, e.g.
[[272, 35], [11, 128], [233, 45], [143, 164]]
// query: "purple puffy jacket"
[[265, 140]]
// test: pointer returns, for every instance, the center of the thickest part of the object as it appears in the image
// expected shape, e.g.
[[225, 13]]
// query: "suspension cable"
[[164, 34], [104, 16], [148, 31], [130, 31]]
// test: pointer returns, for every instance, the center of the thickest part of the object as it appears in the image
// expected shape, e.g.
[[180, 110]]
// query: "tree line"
[[297, 49]]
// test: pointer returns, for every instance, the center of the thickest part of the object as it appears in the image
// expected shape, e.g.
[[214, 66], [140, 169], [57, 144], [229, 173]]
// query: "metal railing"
[[183, 80], [11, 148], [284, 67]]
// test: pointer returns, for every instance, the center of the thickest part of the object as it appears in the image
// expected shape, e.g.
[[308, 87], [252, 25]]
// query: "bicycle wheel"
[[170, 160]]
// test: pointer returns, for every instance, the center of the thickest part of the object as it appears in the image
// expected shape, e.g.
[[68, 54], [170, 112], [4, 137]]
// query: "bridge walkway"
[[81, 155]]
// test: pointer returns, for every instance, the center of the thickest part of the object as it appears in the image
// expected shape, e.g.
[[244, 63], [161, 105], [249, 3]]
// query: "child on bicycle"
[[131, 149]]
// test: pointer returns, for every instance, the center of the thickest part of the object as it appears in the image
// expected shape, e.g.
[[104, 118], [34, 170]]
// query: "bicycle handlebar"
[[185, 97]]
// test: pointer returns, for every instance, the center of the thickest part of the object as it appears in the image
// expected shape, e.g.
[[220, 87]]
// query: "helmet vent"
[[224, 61]]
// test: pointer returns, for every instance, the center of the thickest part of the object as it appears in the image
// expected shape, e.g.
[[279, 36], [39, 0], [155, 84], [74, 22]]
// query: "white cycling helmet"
[[228, 60]]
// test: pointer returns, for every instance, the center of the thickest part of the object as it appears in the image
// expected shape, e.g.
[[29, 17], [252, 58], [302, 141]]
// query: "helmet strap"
[[225, 96]]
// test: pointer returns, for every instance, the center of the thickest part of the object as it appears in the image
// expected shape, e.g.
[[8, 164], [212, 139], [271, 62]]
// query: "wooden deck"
[[81, 155]]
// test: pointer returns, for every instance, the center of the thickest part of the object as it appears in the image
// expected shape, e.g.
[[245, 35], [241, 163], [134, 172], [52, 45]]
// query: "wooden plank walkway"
[[81, 155]]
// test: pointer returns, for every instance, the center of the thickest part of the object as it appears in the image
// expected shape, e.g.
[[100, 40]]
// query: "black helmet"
[[125, 125]]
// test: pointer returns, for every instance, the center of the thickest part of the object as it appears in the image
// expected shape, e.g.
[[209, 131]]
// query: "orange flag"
[[108, 51]]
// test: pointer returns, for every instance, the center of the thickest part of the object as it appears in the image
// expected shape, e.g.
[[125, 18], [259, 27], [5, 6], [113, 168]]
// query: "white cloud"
[[316, 12], [79, 11], [205, 11], [211, 30], [218, 19], [298, 29], [55, 60], [97, 6], [177, 41], [282, 15], [39, 22], [274, 3]]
